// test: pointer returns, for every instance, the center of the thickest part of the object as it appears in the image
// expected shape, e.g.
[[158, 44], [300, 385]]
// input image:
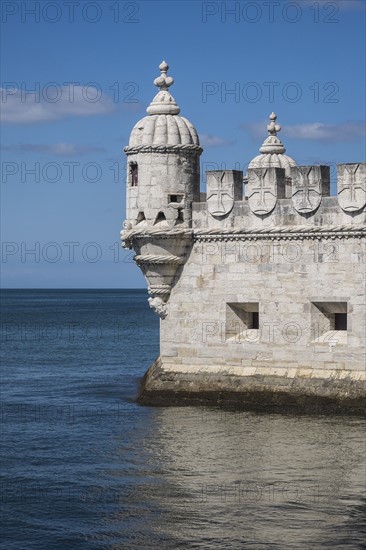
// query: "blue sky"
[[305, 60]]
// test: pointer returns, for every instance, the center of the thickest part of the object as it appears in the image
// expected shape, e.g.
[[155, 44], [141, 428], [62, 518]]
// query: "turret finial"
[[163, 103], [163, 81], [272, 127], [272, 144]]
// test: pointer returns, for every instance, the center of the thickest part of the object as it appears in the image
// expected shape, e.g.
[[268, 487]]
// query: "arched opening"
[[140, 218], [160, 218], [180, 217]]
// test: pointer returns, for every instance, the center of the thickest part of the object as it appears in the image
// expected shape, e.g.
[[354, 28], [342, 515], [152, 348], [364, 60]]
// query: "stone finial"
[[163, 81], [163, 103], [273, 128], [273, 144]]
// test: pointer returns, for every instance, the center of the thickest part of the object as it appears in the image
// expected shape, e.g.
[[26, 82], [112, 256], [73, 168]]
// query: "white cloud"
[[318, 131], [208, 140], [55, 149], [52, 103]]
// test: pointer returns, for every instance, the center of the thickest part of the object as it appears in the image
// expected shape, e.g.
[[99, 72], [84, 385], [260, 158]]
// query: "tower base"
[[291, 391]]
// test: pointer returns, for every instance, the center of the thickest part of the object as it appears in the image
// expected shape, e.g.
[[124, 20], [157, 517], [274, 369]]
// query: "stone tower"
[[261, 293], [163, 180]]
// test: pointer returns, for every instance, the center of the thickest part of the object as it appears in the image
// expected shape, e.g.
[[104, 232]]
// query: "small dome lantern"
[[273, 151]]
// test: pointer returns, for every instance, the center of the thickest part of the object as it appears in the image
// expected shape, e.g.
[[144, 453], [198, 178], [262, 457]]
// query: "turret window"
[[175, 198], [134, 174]]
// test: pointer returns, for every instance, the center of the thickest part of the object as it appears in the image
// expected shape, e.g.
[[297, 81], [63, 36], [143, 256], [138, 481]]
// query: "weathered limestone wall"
[[284, 278]]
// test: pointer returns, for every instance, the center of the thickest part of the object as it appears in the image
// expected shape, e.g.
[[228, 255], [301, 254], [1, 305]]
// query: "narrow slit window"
[[134, 174]]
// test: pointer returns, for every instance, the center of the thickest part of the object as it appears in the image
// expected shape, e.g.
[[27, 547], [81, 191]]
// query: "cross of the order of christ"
[[263, 190], [220, 192], [306, 186], [351, 185]]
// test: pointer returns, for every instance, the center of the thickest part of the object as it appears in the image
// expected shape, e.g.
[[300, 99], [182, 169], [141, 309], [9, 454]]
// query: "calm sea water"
[[85, 467]]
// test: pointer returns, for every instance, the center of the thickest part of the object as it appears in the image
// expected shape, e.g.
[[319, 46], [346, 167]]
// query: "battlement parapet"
[[265, 202]]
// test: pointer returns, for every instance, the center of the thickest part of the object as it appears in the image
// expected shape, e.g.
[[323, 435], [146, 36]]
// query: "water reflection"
[[215, 479]]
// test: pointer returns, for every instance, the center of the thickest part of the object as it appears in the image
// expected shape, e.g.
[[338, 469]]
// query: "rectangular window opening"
[[242, 322], [329, 321]]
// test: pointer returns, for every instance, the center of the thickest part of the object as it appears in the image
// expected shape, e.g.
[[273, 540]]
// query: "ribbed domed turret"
[[163, 130], [163, 166], [272, 151], [163, 127]]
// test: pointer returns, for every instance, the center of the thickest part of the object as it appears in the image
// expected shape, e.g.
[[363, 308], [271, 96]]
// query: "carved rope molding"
[[159, 290], [155, 232], [287, 233], [163, 149], [158, 259], [130, 235]]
